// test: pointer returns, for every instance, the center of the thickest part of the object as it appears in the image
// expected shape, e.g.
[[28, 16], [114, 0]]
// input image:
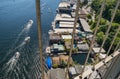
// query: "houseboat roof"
[[54, 37], [61, 30], [59, 47], [97, 49], [85, 25], [68, 25], [72, 70], [65, 15], [64, 5], [66, 37], [78, 69], [60, 18], [83, 46], [57, 74]]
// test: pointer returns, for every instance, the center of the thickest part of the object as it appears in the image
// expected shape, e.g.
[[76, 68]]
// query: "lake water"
[[14, 15]]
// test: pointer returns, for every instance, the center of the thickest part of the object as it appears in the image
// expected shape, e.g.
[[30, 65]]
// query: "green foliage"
[[85, 2], [96, 4], [109, 9], [55, 65], [90, 22], [103, 21], [81, 5], [107, 13], [100, 37], [114, 27], [101, 33], [89, 16], [75, 63], [103, 28], [93, 25], [63, 64], [75, 50], [117, 17]]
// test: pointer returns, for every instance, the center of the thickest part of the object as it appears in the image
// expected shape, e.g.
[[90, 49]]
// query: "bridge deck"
[[97, 66]]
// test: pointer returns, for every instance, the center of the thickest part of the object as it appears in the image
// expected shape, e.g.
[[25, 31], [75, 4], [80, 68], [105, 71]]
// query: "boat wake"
[[17, 62], [25, 30], [11, 64]]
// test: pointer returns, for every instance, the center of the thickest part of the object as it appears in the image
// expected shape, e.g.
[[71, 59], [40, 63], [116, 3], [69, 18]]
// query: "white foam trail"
[[44, 4], [26, 40], [12, 63], [23, 76], [49, 10], [18, 69], [25, 70], [16, 74], [26, 29]]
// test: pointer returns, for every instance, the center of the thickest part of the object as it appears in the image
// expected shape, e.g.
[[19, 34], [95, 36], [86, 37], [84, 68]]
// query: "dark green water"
[[80, 58], [14, 14]]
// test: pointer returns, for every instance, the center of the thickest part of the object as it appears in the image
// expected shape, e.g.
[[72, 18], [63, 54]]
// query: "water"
[[14, 16], [80, 58]]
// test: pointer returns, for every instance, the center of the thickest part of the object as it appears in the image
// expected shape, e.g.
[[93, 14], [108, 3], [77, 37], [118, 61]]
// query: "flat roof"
[[66, 37], [68, 24], [83, 46], [65, 16], [85, 25], [72, 70], [97, 49], [54, 37], [74, 6], [64, 5], [57, 73], [59, 47], [61, 30], [78, 69], [60, 18]]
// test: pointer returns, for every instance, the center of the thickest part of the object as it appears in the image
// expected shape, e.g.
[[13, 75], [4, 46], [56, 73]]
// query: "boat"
[[17, 54], [27, 39]]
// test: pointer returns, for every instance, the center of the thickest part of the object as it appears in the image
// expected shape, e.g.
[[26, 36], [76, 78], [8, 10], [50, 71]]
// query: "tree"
[[103, 28], [108, 11], [114, 27], [104, 22], [55, 65], [96, 4], [89, 16], [117, 19], [100, 37], [85, 2]]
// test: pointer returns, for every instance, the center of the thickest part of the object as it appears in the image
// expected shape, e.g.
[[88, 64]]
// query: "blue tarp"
[[49, 62]]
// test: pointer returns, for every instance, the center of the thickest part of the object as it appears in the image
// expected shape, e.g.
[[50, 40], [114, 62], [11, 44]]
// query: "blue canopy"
[[49, 62]]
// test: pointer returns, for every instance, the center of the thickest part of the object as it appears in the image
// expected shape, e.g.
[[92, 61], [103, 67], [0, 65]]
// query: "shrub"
[[89, 16], [55, 65]]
